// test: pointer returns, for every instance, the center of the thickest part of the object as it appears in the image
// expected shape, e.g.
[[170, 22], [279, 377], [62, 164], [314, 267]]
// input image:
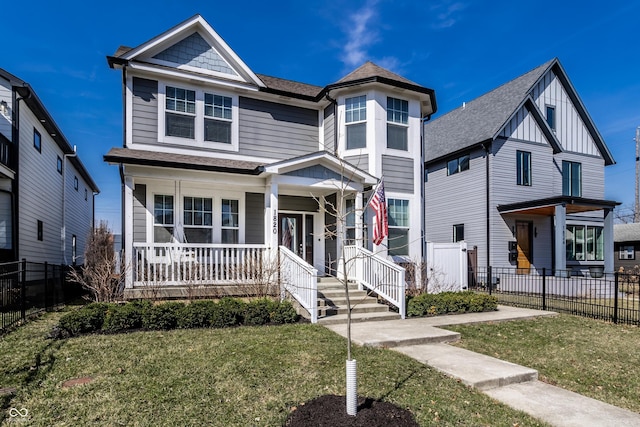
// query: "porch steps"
[[332, 304]]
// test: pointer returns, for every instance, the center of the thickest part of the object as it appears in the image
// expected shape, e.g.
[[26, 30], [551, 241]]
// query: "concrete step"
[[342, 300], [329, 310], [341, 319], [473, 369]]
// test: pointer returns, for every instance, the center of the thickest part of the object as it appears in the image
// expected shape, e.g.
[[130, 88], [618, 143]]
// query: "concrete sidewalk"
[[511, 384]]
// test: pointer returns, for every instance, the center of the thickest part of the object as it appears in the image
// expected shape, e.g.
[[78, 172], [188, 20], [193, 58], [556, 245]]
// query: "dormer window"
[[397, 123], [356, 122]]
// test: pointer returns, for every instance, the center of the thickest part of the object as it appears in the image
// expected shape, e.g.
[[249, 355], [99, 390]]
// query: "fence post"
[[490, 274], [544, 288], [615, 297], [23, 289], [46, 285]]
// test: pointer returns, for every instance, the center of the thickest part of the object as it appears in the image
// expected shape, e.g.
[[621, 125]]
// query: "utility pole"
[[636, 211]]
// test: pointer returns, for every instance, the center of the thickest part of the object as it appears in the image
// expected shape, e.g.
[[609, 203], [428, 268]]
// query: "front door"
[[524, 241], [296, 234]]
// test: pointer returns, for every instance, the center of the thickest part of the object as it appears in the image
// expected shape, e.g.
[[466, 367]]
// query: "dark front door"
[[297, 235], [525, 246]]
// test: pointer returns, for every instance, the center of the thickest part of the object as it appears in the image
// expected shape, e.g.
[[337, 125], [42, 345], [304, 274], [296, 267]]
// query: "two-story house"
[[519, 173], [220, 164], [46, 193]]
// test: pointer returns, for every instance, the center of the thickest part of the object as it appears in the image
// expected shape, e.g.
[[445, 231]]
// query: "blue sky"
[[461, 49]]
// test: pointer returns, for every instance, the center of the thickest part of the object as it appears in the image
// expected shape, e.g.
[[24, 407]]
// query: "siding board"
[[398, 174], [140, 213], [254, 218], [144, 114]]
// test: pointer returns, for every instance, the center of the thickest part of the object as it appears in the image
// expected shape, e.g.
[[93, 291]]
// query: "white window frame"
[[391, 242], [193, 210], [356, 122], [155, 224], [627, 252], [223, 227], [401, 123], [198, 141]]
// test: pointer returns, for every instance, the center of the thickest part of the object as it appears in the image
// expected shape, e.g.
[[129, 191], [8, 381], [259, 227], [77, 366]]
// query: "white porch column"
[[560, 220], [271, 215], [608, 241], [359, 213], [128, 231]]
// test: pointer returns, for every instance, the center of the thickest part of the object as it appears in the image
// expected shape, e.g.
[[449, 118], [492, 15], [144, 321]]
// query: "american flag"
[[380, 222]]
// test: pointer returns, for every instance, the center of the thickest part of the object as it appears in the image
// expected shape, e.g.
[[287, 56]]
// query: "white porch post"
[[359, 213], [128, 231], [560, 220], [608, 241], [271, 215]]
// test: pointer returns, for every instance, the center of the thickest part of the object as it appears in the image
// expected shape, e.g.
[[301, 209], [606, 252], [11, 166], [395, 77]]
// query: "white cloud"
[[446, 14], [360, 35]]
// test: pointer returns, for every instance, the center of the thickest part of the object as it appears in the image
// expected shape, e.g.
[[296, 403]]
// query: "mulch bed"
[[331, 411]]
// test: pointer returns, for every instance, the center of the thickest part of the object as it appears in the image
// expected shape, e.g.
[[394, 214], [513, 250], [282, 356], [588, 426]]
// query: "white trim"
[[129, 111]]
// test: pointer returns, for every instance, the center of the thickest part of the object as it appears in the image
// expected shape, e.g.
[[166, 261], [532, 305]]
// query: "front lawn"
[[591, 357], [248, 376]]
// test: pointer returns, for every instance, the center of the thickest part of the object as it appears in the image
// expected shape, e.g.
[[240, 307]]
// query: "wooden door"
[[525, 242]]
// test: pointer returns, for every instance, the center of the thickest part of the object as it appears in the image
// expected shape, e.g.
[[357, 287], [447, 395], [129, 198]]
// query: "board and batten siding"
[[6, 95], [140, 213], [398, 173], [457, 199], [254, 218], [276, 131], [570, 129], [144, 114], [329, 129], [523, 126]]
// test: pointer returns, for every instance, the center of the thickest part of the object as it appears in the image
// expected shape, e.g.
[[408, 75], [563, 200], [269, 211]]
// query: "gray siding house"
[[46, 193], [626, 249], [519, 173], [220, 164]]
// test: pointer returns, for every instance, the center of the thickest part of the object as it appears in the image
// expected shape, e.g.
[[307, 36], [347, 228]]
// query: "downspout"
[[423, 216], [64, 205], [487, 146]]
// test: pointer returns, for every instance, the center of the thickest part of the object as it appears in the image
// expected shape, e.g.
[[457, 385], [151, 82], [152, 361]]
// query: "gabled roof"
[[31, 99], [368, 70], [626, 232], [482, 119]]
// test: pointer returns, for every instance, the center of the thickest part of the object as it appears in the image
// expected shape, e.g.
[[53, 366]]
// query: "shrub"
[[198, 314], [162, 316], [450, 302], [87, 319], [284, 313], [258, 312], [124, 317], [228, 312]]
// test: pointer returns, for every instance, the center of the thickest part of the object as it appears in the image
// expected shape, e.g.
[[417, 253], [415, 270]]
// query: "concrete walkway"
[[511, 384]]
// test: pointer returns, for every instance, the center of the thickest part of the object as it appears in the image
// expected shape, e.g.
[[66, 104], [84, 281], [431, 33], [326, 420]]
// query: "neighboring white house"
[[46, 194], [220, 164]]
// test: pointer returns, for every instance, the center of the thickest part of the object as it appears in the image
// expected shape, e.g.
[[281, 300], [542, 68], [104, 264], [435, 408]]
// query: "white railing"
[[381, 276], [300, 280], [170, 264]]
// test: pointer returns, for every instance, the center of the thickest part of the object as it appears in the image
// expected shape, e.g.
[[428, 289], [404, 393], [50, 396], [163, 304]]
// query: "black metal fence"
[[612, 297], [27, 288]]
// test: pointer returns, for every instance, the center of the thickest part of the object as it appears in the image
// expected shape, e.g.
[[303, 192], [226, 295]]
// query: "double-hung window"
[[180, 112], [198, 219], [523, 160], [397, 123], [163, 221], [398, 227], [217, 118], [571, 179], [356, 122], [230, 222]]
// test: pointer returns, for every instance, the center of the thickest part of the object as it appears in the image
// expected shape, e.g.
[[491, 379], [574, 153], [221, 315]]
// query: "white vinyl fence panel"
[[447, 268]]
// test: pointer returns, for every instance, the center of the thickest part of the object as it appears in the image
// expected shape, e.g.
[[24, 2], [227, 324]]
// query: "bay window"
[[397, 123], [398, 215], [356, 122]]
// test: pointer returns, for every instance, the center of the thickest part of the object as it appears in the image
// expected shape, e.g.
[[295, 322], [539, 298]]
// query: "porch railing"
[[381, 276], [198, 264], [300, 280]]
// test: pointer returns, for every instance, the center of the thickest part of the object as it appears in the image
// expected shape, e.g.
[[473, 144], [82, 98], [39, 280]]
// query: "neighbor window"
[[180, 112], [230, 223], [198, 220], [551, 116], [627, 252], [355, 119], [397, 121], [40, 233], [584, 243], [59, 165], [75, 183], [571, 179], [85, 194], [73, 249], [523, 160], [398, 227], [163, 221], [37, 141], [217, 118], [458, 165], [458, 232]]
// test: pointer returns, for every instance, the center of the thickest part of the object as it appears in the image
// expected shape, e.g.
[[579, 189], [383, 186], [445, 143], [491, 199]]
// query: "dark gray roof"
[[181, 161], [290, 86], [481, 119], [369, 69], [626, 232]]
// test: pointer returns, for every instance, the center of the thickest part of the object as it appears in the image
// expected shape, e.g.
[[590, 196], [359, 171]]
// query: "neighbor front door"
[[524, 241]]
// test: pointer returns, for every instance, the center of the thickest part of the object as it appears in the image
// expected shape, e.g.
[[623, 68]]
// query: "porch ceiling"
[[546, 207]]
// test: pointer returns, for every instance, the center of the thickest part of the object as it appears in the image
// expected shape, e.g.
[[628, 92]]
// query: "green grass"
[[591, 357], [250, 376]]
